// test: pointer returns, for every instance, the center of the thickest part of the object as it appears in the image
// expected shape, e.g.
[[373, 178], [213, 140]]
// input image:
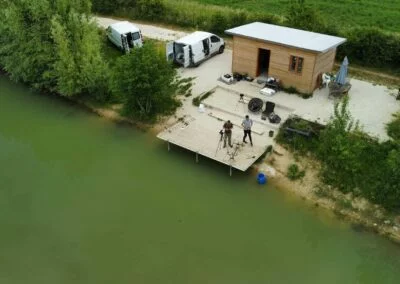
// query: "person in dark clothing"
[[247, 124], [228, 133]]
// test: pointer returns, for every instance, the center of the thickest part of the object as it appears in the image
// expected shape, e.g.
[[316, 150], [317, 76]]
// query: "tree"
[[52, 45], [340, 148], [26, 51], [80, 67], [146, 83]]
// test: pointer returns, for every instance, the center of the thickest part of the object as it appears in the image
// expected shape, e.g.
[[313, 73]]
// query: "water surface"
[[83, 200]]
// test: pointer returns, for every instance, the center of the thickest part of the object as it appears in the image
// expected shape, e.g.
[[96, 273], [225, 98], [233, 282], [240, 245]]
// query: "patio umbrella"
[[342, 74]]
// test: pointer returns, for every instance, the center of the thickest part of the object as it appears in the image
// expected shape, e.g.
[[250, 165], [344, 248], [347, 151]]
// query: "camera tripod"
[[221, 134], [241, 100], [235, 152]]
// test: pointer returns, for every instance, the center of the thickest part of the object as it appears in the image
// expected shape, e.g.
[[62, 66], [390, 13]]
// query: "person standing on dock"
[[228, 133], [247, 124]]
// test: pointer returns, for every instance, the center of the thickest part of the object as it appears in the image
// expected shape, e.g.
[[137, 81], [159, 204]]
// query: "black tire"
[[221, 49]]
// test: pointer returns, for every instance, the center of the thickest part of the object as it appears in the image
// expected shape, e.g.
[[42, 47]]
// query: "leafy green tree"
[[52, 45], [79, 67], [26, 51], [340, 149], [146, 83]]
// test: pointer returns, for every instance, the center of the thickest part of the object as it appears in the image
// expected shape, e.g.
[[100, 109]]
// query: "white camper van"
[[192, 49], [125, 35]]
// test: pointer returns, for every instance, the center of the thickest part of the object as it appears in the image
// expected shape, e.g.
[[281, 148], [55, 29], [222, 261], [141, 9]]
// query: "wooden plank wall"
[[245, 60], [324, 63]]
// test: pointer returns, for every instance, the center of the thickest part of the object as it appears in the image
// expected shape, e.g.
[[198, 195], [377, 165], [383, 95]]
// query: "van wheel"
[[221, 49]]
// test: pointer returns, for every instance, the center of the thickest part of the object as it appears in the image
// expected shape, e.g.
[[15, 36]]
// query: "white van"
[[192, 49], [125, 35]]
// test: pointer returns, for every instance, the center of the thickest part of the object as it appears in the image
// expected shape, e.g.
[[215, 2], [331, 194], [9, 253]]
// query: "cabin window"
[[215, 39], [296, 64], [135, 36]]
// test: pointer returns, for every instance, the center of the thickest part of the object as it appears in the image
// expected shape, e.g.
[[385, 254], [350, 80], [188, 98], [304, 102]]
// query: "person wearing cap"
[[228, 133], [247, 124]]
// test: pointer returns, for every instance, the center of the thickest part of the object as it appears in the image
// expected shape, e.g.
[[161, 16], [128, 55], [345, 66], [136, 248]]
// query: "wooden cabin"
[[295, 57]]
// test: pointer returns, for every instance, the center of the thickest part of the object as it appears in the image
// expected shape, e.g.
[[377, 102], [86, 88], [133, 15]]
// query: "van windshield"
[[135, 36]]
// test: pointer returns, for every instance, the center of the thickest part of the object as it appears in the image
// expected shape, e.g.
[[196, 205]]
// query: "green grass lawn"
[[383, 14]]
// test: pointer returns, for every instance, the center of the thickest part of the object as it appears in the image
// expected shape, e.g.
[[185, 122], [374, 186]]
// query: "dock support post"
[[197, 157], [169, 147], [230, 170]]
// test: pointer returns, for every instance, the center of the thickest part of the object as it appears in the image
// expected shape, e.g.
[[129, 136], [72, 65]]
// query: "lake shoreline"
[[305, 189], [362, 215], [279, 159]]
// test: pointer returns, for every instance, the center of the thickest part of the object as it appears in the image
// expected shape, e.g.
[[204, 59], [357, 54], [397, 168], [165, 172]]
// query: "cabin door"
[[263, 61]]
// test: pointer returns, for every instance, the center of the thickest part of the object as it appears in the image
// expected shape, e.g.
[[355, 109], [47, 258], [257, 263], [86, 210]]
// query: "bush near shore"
[[351, 161], [366, 46]]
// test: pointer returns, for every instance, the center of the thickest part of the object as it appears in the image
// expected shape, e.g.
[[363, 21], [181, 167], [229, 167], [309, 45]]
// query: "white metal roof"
[[124, 27], [194, 37], [310, 41]]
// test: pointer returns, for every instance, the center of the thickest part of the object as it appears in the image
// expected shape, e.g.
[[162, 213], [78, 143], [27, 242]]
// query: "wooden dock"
[[202, 137], [199, 131]]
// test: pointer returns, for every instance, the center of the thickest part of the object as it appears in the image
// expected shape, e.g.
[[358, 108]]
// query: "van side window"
[[135, 36], [215, 39]]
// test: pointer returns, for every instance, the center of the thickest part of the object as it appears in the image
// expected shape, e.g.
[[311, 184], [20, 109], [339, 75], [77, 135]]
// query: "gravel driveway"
[[149, 31]]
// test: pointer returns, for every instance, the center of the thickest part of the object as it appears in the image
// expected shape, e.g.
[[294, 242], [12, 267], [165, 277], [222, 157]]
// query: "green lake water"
[[83, 200]]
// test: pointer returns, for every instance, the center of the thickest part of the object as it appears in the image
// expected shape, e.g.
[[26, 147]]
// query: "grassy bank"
[[382, 14], [350, 160]]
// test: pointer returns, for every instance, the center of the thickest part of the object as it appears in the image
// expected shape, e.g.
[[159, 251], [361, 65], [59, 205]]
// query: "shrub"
[[150, 9], [371, 47], [110, 6], [304, 17], [219, 22], [293, 90], [294, 172], [197, 100], [393, 127]]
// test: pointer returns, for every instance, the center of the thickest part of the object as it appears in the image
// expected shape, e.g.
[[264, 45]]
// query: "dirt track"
[[149, 31]]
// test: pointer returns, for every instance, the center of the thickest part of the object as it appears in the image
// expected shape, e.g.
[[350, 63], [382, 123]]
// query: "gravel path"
[[149, 31]]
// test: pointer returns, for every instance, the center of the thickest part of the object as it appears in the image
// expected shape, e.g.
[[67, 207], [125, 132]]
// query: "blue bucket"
[[261, 178]]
